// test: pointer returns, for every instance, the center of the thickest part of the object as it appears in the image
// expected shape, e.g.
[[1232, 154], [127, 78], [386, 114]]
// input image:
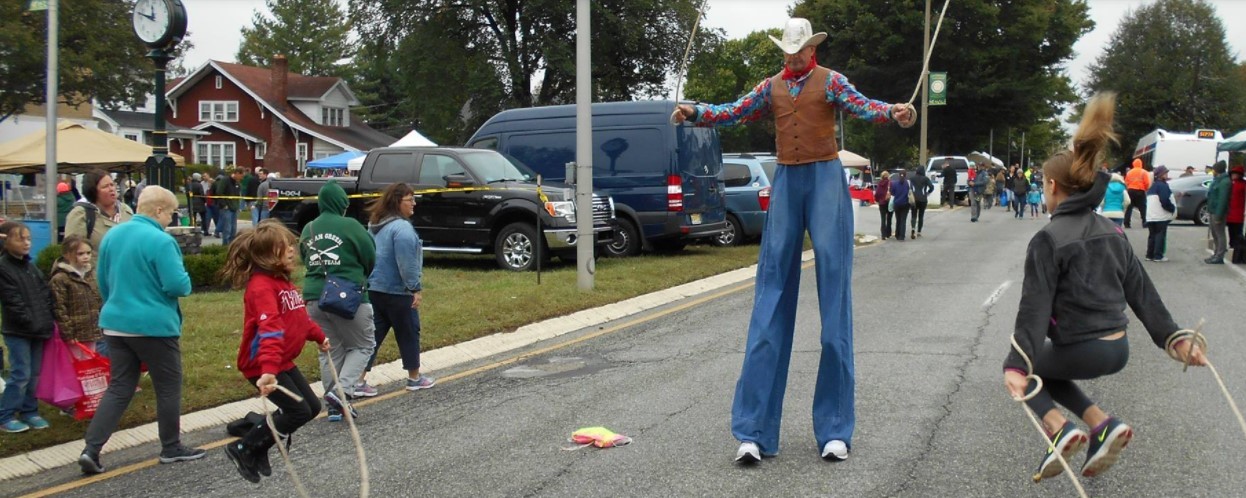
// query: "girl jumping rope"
[[1080, 273], [275, 328]]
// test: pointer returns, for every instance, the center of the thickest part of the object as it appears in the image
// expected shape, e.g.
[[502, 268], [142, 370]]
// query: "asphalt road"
[[932, 323]]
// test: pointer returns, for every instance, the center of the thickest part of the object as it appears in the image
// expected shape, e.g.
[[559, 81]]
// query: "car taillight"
[[674, 193], [272, 200], [763, 198]]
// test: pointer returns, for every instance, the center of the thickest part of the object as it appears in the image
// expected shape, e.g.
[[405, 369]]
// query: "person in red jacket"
[[1236, 214], [275, 329]]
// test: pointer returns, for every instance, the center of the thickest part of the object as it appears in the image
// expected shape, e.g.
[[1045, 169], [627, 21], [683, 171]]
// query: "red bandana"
[[790, 75]]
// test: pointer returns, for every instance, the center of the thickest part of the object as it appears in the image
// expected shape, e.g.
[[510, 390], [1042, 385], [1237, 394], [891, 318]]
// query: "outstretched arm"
[[751, 107], [841, 93]]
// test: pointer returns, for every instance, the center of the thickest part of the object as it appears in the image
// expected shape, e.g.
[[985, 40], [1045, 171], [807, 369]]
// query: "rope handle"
[[1200, 341]]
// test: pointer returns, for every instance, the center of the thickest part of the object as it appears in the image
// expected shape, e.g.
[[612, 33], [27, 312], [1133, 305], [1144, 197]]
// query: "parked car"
[[467, 201], [747, 180], [934, 171], [1190, 194], [663, 177]]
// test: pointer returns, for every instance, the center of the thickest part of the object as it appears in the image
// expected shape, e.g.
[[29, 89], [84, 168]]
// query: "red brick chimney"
[[280, 155]]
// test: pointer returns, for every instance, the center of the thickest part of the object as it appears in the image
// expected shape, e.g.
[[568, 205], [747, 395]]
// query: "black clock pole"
[[160, 167]]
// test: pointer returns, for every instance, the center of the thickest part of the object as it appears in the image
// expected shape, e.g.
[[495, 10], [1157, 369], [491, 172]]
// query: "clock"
[[160, 23]]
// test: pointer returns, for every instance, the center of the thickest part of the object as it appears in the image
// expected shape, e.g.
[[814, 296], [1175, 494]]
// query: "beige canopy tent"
[[77, 148], [853, 160]]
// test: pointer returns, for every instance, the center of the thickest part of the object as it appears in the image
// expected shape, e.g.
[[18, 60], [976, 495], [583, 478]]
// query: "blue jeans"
[[214, 217], [811, 197], [394, 310], [25, 362], [227, 222]]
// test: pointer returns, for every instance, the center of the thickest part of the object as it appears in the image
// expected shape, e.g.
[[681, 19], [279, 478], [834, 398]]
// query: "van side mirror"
[[458, 180]]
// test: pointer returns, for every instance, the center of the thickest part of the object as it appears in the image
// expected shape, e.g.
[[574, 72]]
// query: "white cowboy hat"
[[797, 34]]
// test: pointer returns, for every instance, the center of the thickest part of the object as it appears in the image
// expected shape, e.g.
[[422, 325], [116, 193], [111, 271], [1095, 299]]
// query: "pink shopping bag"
[[58, 381]]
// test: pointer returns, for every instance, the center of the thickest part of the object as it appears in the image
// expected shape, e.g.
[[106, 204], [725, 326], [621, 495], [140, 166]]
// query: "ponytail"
[[1075, 170]]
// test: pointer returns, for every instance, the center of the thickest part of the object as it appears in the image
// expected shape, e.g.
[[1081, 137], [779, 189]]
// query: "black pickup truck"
[[467, 201]]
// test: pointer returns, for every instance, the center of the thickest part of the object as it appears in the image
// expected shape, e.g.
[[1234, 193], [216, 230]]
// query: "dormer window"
[[333, 116]]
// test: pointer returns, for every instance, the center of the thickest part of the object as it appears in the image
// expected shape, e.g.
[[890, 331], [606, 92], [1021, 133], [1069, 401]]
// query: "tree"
[[724, 70], [531, 43], [1170, 63], [314, 35], [99, 56]]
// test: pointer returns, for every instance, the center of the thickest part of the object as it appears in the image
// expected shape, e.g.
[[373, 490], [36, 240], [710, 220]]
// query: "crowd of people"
[[114, 292], [215, 203]]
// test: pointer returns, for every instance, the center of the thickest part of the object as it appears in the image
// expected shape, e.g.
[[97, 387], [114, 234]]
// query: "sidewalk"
[[432, 362]]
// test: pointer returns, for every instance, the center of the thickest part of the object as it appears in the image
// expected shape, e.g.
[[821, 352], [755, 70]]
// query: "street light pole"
[[925, 116], [160, 167], [53, 89], [584, 247]]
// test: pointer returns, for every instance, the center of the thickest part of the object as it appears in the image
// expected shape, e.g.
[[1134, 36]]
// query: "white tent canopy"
[[853, 160], [413, 139]]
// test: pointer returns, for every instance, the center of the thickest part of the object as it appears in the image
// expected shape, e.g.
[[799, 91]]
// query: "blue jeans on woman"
[[395, 311], [25, 362], [811, 197]]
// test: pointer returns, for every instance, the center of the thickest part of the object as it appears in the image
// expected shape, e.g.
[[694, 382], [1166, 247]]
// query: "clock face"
[[152, 20]]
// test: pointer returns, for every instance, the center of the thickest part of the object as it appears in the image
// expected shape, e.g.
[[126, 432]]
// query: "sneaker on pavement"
[[181, 454], [36, 422], [339, 406], [1106, 443], [748, 453], [424, 382], [262, 465], [1068, 441], [238, 453], [334, 415], [90, 464], [835, 450], [363, 390], [14, 426]]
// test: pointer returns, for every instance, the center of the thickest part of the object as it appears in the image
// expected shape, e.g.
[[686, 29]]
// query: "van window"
[[391, 168], [490, 143], [959, 164], [769, 166], [700, 153], [736, 175], [615, 152], [435, 168]]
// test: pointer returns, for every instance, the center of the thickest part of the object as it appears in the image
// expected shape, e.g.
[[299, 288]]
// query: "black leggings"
[[919, 215], [1059, 366], [290, 414]]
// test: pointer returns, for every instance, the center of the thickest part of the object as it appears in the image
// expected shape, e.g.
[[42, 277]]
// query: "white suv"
[[934, 171]]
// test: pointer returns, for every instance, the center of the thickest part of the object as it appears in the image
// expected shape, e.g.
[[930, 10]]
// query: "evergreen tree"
[[314, 35], [1171, 65]]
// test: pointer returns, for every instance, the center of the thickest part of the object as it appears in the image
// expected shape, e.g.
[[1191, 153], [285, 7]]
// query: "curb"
[[37, 461]]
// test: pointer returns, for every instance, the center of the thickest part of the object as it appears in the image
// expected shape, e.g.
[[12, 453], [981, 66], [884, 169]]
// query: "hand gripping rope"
[[1038, 386], [354, 434], [1200, 342]]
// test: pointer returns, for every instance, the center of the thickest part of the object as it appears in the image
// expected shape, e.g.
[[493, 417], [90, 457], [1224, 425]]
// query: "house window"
[[333, 116], [300, 150], [219, 82], [220, 154], [131, 136], [224, 111], [261, 149]]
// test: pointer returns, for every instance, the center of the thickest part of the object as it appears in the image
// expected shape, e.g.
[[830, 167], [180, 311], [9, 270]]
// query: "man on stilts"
[[810, 193]]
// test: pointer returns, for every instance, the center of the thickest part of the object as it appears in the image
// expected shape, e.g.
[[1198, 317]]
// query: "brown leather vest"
[[804, 126]]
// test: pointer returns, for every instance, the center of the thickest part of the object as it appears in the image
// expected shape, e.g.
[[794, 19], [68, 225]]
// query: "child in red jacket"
[[275, 328]]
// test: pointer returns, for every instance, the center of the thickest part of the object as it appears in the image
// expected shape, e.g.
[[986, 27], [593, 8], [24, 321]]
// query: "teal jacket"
[[1218, 196], [141, 275]]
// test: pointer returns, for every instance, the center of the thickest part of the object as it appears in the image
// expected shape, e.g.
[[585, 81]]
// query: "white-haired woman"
[[141, 276]]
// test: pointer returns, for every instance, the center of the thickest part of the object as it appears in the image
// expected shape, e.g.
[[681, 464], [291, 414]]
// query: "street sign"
[[37, 5], [938, 89]]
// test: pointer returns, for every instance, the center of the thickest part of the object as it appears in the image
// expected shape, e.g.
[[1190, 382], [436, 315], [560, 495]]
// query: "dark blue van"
[[664, 178]]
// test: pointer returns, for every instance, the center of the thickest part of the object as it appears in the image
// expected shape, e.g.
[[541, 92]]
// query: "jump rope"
[[350, 421], [1198, 341], [921, 79]]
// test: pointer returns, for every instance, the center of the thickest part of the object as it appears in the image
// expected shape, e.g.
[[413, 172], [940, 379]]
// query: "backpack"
[[90, 211]]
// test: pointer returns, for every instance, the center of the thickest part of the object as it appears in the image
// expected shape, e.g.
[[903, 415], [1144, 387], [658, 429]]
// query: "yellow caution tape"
[[357, 196]]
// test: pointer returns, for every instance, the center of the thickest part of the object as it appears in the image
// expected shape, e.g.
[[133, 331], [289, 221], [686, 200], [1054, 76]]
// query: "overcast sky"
[[215, 25]]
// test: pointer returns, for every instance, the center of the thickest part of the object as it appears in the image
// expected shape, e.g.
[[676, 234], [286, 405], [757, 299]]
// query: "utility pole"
[[1023, 148], [49, 179], [925, 116], [585, 266], [990, 146]]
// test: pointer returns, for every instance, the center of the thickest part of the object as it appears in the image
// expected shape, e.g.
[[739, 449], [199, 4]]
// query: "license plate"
[[696, 218]]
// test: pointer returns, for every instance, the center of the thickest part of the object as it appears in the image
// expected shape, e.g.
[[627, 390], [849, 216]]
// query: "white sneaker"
[[748, 453], [835, 450]]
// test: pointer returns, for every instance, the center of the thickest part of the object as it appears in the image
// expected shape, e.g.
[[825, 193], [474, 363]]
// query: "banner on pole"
[[938, 89], [36, 5]]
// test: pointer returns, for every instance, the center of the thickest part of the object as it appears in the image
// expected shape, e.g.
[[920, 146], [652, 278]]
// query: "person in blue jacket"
[[141, 276]]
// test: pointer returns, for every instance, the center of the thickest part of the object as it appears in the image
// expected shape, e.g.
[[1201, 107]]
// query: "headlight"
[[561, 209]]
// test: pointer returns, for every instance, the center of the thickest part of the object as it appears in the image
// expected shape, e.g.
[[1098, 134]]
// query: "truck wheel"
[[626, 240], [733, 236], [515, 247]]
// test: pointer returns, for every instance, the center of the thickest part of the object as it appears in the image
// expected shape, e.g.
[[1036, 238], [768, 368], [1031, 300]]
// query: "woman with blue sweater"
[[141, 276], [900, 193], [394, 286], [1115, 200]]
